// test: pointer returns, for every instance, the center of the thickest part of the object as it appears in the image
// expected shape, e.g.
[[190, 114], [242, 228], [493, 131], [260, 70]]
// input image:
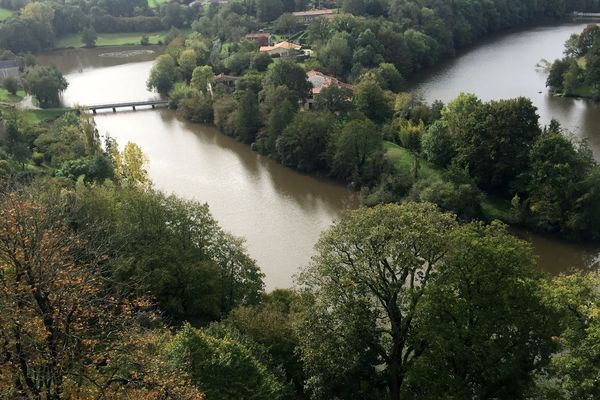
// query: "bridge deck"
[[127, 104]]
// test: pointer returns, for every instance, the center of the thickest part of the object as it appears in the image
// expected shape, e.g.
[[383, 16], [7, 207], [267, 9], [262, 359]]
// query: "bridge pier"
[[133, 108], [94, 111], [153, 106], [114, 109]]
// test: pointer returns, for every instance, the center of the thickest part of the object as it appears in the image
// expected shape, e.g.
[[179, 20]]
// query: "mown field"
[[112, 39]]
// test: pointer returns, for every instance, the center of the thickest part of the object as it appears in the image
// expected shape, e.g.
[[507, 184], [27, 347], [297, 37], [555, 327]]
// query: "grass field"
[[156, 3], [111, 39], [5, 14], [404, 161], [37, 116], [10, 98]]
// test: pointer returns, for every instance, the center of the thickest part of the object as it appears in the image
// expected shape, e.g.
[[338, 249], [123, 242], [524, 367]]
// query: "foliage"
[[304, 143], [574, 370], [72, 334], [45, 83], [11, 84], [174, 249], [370, 100], [288, 73], [358, 152], [163, 74], [484, 320], [89, 37], [223, 368], [371, 271]]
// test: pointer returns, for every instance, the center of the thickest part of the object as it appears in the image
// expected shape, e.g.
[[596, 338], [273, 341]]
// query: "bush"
[[11, 84]]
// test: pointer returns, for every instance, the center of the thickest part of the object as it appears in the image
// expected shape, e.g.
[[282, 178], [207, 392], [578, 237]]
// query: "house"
[[320, 81], [9, 68], [263, 38], [282, 49], [306, 17]]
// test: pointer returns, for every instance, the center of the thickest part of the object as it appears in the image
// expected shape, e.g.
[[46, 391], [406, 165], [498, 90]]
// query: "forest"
[[110, 289]]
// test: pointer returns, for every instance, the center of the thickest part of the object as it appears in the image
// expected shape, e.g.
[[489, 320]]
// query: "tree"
[[411, 135], [201, 77], [336, 55], [484, 322], [130, 165], [493, 139], [289, 73], [66, 331], [574, 370], [270, 324], [248, 117], [303, 144], [389, 78], [45, 83], [556, 177], [173, 250], [163, 74], [358, 152], [268, 10], [587, 38], [89, 37], [370, 100], [286, 23], [368, 279], [224, 368], [335, 99], [11, 84], [438, 144], [279, 118], [555, 80], [187, 63]]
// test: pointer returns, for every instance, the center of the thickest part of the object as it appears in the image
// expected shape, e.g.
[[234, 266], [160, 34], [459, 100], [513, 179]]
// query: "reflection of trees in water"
[[556, 255], [309, 193]]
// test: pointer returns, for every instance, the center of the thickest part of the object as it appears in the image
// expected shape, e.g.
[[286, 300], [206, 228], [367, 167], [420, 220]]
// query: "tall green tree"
[[370, 100], [368, 280], [248, 117], [288, 73], [163, 74], [304, 143], [358, 152], [484, 326], [45, 83], [89, 37]]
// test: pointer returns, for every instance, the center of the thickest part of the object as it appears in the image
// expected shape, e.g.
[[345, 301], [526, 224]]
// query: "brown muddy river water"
[[279, 212]]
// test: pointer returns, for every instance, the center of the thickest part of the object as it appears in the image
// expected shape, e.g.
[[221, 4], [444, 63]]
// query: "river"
[[280, 212]]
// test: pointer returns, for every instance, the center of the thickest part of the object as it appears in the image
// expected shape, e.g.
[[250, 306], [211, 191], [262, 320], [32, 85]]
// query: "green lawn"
[[37, 116], [10, 98], [156, 3], [111, 39], [5, 14], [404, 161]]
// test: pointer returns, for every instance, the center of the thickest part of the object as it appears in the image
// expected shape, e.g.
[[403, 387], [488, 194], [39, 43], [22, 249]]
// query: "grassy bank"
[[5, 14], [156, 3], [405, 161], [111, 39], [11, 98]]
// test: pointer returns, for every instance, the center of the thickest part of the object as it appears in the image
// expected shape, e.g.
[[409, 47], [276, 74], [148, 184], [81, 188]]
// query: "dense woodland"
[[578, 73], [110, 289]]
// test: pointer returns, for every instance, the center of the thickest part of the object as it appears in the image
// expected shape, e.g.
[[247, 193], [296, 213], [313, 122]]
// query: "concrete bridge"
[[131, 104]]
